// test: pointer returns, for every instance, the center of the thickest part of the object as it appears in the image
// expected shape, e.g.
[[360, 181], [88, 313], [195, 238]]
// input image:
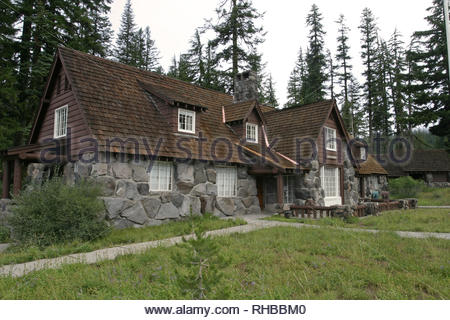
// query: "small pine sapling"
[[199, 268]]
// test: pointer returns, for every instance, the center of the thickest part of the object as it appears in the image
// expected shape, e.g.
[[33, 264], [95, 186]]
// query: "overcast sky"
[[172, 23]]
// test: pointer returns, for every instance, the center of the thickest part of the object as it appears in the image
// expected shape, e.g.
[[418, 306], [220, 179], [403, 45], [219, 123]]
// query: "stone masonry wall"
[[129, 202], [374, 183]]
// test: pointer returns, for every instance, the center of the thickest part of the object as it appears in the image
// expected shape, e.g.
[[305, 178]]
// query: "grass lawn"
[[17, 254], [422, 220], [275, 263], [434, 197]]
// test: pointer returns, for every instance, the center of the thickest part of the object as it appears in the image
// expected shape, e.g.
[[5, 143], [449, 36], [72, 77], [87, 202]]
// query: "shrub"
[[405, 187], [56, 212], [4, 234]]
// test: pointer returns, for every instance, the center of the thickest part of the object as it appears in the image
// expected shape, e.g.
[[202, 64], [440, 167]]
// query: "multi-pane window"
[[161, 176], [252, 132], [288, 189], [226, 181], [186, 121], [60, 126], [362, 151], [330, 138], [330, 184]]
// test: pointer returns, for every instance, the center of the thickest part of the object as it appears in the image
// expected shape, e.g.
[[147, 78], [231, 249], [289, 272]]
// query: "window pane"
[[161, 176], [226, 182]]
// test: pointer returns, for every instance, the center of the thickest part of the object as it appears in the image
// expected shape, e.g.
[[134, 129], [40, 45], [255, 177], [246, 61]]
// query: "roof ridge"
[[300, 106], [155, 74]]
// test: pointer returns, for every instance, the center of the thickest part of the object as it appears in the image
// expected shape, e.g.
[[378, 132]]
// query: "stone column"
[[6, 182], [17, 176]]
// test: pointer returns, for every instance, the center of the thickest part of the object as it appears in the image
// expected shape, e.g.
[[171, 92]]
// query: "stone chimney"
[[245, 86]]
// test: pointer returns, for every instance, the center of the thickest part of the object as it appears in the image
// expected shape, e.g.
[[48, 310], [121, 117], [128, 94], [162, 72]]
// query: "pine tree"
[[237, 35], [331, 71], [8, 75], [397, 76], [343, 58], [369, 36], [315, 58], [150, 53], [125, 50], [355, 119], [381, 100], [269, 95], [296, 90], [173, 68], [429, 64], [196, 59], [43, 25], [213, 77]]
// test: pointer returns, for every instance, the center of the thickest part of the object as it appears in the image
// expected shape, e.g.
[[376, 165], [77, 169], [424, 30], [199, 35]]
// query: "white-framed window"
[[226, 181], [363, 154], [60, 125], [330, 138], [186, 120], [251, 132], [330, 180], [161, 176], [288, 189]]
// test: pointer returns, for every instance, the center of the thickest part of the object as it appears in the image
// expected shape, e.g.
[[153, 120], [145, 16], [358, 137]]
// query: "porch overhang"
[[15, 158]]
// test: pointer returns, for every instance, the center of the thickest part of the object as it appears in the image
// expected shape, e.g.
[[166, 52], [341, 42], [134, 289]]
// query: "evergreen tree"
[[237, 35], [269, 95], [93, 33], [429, 64], [173, 68], [125, 51], [354, 117], [197, 59], [343, 58], [331, 71], [381, 101], [150, 53], [396, 81], [296, 91], [315, 58], [43, 25], [369, 36], [213, 77], [8, 74]]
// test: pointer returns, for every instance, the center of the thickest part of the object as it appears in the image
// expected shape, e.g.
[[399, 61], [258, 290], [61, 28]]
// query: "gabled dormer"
[[244, 116], [181, 111]]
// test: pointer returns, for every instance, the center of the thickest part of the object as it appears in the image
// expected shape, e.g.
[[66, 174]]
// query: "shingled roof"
[[436, 160], [371, 166], [296, 122], [117, 101]]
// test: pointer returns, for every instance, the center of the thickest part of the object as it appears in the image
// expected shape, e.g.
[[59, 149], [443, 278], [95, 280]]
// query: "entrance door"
[[260, 189]]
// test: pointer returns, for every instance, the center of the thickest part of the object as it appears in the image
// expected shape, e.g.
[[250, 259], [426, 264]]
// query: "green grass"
[[434, 197], [275, 263], [16, 254], [420, 220]]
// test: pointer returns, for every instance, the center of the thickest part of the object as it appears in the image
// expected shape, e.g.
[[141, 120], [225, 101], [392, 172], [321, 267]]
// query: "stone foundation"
[[129, 202]]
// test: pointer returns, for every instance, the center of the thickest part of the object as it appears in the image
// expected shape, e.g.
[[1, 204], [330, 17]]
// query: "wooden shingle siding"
[[75, 120]]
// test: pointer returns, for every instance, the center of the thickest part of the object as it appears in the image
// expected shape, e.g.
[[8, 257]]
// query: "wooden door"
[[260, 189]]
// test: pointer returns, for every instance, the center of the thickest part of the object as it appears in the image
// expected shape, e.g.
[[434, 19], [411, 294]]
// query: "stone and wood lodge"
[[162, 148]]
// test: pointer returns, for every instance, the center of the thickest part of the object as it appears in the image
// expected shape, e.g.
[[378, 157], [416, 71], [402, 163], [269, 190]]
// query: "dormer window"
[[362, 152], [252, 132], [60, 125], [186, 121]]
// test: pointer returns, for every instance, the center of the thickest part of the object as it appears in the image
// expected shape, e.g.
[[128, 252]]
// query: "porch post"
[[5, 179], [17, 176], [280, 189]]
